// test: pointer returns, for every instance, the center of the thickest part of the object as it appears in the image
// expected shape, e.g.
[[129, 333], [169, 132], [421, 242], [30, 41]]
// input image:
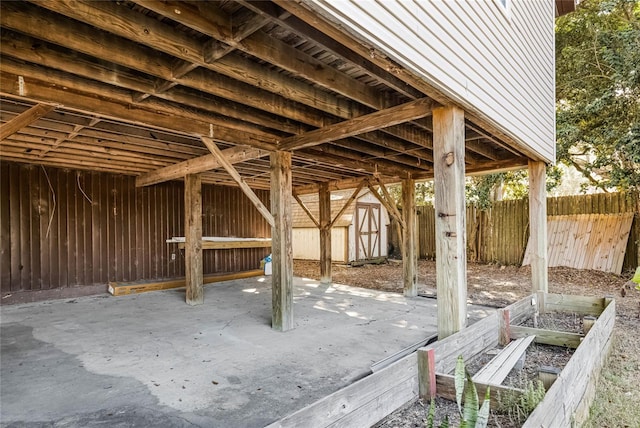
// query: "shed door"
[[367, 231]]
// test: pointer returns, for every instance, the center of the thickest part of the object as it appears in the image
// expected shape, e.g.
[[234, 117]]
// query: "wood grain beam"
[[282, 278], [24, 119], [538, 227], [273, 51], [324, 211], [228, 166], [451, 252], [193, 239], [40, 25], [124, 22], [292, 23], [204, 163], [409, 238], [73, 87], [348, 202], [306, 209], [366, 123]]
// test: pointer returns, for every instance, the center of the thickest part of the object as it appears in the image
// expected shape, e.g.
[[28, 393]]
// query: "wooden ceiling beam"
[[196, 165], [23, 120], [302, 11], [43, 25], [366, 123], [292, 23], [30, 50], [198, 79], [335, 185], [120, 20], [273, 51], [69, 89]]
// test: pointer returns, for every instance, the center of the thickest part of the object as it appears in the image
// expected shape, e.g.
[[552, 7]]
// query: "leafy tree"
[[598, 92]]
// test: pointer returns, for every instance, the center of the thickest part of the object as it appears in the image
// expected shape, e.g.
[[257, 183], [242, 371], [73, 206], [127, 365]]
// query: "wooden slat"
[[547, 337], [445, 388], [499, 367], [227, 245], [587, 241], [123, 289], [23, 120], [334, 407], [568, 400], [584, 305]]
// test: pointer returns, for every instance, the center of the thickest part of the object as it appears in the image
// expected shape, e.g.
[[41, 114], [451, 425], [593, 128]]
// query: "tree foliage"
[[598, 92]]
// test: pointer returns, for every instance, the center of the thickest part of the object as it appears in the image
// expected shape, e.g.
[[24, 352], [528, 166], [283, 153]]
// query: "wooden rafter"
[[23, 120], [228, 166], [306, 209], [73, 134], [348, 203], [366, 123], [204, 163]]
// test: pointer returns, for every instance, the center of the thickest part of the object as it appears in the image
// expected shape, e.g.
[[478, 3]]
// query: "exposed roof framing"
[[131, 87]]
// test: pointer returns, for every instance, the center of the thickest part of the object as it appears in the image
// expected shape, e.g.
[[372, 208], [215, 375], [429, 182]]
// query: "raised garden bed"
[[427, 373]]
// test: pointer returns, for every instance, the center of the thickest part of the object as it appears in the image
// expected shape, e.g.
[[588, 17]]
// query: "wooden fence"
[[500, 234]]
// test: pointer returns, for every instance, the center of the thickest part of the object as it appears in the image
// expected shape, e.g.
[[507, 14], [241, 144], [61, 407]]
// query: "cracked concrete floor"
[[151, 360]]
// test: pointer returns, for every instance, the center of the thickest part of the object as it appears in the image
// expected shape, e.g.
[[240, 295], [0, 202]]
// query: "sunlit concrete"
[[151, 360]]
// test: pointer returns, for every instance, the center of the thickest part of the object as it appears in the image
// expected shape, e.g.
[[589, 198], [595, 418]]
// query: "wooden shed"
[[359, 233]]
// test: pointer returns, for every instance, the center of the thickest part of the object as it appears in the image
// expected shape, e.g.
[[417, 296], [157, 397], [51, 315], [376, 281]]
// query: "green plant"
[[431, 417], [472, 416], [519, 406]]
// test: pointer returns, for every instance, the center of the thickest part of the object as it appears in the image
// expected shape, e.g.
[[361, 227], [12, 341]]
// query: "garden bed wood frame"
[[424, 373]]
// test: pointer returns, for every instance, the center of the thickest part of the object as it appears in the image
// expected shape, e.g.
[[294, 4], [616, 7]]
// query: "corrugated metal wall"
[[68, 228]]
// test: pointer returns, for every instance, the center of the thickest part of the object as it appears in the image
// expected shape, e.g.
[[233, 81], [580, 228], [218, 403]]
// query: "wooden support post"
[[504, 320], [449, 184], [427, 373], [538, 226], [282, 278], [409, 254], [193, 239], [325, 233]]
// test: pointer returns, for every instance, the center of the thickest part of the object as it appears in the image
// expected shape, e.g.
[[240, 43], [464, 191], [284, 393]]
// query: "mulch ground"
[[499, 286]]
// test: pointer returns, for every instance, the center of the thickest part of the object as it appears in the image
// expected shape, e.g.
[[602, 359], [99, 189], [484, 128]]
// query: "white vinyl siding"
[[496, 65]]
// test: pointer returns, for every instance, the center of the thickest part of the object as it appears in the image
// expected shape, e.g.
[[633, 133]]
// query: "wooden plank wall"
[[587, 241], [115, 233], [500, 234]]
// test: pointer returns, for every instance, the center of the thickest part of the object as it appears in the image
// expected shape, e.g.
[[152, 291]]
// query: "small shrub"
[[519, 406]]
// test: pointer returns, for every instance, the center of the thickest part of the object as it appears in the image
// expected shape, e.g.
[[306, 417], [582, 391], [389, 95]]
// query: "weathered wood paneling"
[[67, 229], [496, 62], [500, 234]]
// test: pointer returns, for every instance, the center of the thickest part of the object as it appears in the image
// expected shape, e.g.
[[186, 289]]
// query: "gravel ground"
[[617, 397]]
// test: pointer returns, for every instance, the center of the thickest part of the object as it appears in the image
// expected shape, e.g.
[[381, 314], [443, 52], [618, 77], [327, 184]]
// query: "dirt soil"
[[617, 401]]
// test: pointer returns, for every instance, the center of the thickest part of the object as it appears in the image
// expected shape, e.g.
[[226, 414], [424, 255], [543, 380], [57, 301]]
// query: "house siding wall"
[[494, 63], [102, 228]]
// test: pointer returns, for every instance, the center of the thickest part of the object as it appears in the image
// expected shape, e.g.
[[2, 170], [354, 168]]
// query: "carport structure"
[[291, 97]]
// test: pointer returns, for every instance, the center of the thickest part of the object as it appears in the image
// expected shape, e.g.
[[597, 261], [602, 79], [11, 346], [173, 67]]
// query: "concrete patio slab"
[[151, 360]]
